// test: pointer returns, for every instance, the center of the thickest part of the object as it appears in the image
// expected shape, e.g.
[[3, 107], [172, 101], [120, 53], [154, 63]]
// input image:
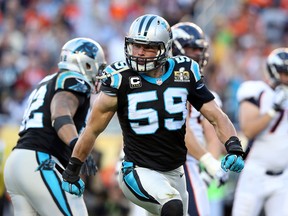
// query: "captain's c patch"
[[135, 82]]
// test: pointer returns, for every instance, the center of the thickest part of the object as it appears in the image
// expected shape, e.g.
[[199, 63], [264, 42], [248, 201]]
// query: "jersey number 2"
[[32, 118]]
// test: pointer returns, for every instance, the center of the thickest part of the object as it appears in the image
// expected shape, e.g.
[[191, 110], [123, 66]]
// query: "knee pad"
[[172, 208]]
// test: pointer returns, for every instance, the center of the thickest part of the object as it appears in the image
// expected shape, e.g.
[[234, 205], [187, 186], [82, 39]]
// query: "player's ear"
[[97, 86]]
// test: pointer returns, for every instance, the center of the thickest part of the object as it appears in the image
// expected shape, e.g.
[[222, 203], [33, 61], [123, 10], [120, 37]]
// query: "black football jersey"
[[36, 131], [152, 111]]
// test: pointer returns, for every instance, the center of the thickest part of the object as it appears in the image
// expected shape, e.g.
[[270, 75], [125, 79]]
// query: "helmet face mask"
[[277, 63], [85, 56], [151, 31], [187, 35]]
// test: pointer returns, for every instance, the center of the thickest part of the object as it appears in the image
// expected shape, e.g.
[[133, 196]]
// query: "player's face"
[[193, 53], [284, 78], [144, 50]]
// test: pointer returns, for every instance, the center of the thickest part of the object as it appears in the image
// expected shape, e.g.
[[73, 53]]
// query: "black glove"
[[72, 183], [89, 167]]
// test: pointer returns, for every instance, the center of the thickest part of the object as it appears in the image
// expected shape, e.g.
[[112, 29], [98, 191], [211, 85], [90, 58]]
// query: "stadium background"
[[32, 32]]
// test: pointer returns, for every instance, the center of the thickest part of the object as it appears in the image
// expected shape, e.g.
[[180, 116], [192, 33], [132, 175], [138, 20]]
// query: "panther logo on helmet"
[[85, 56]]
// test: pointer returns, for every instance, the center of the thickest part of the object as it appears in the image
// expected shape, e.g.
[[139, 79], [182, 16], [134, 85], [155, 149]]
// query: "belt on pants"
[[274, 173]]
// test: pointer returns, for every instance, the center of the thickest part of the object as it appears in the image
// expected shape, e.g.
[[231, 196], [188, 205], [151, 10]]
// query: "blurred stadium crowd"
[[32, 32]]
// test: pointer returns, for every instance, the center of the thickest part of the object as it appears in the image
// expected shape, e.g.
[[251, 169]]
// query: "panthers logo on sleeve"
[[73, 81]]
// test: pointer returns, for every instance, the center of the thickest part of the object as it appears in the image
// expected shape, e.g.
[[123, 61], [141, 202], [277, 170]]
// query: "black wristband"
[[74, 165], [73, 142], [233, 146], [71, 173]]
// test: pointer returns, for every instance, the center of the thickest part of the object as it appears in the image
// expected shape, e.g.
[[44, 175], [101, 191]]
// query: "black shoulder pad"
[[73, 81], [112, 74]]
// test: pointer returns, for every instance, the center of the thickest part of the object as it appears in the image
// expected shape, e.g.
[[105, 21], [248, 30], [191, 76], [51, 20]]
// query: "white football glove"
[[213, 170]]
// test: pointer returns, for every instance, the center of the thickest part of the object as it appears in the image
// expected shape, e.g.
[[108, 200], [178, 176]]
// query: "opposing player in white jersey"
[[149, 91], [263, 116], [55, 115], [189, 40]]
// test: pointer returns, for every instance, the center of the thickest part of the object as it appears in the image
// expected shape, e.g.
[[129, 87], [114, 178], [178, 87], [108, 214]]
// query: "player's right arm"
[[251, 120], [104, 107]]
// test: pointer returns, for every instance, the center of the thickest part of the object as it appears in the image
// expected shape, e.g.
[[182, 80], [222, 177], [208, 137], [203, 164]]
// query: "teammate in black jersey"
[[55, 115], [149, 92]]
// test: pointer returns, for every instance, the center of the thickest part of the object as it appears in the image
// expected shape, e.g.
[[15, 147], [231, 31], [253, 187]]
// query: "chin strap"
[[107, 75]]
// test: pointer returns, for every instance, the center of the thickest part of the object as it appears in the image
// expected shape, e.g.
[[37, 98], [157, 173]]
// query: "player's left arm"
[[226, 134], [222, 124], [71, 91], [192, 144], [213, 144], [63, 107], [211, 164]]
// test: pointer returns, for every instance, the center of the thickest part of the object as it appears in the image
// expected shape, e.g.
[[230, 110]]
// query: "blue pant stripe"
[[131, 181], [53, 184]]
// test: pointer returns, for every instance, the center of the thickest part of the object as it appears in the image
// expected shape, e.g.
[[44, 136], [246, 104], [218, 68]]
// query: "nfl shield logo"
[[159, 81]]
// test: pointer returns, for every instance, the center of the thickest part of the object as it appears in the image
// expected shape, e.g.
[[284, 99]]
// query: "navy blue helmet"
[[188, 34], [277, 62]]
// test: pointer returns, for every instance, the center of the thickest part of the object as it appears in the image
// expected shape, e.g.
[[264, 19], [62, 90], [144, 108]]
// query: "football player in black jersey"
[[149, 92], [55, 115]]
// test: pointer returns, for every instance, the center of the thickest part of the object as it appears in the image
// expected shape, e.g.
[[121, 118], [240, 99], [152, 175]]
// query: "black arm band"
[[233, 146], [62, 120], [73, 142]]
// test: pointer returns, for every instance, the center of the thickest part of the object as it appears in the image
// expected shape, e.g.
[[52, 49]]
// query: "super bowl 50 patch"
[[181, 76]]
